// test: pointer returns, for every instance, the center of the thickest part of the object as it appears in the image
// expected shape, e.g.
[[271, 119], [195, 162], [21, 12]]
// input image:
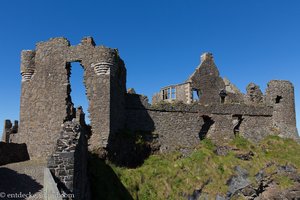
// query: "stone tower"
[[46, 101], [280, 94]]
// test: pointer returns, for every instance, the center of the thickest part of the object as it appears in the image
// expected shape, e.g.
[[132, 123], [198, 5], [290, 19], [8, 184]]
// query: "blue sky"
[[160, 41]]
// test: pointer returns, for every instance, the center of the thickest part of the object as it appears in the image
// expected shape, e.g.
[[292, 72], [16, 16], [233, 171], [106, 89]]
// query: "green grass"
[[283, 181], [172, 176]]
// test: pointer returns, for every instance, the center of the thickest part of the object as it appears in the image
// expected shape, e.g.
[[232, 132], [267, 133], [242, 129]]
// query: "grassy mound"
[[172, 176]]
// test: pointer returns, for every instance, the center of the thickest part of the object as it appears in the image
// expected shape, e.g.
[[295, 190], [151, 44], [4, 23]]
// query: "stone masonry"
[[253, 115], [68, 163], [221, 111], [45, 99]]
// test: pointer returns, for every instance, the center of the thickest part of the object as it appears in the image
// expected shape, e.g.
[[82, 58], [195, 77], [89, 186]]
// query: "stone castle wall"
[[228, 112], [182, 126], [175, 130], [221, 113]]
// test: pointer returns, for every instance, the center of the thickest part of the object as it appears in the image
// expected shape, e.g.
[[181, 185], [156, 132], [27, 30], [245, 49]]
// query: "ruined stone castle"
[[204, 106]]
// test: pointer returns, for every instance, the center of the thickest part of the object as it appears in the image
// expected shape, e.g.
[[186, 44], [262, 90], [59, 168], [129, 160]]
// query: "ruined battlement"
[[204, 106], [46, 101], [104, 64], [216, 97]]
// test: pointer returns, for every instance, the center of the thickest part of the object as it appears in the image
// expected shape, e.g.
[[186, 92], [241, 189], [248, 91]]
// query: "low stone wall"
[[51, 191], [222, 109], [11, 153], [68, 163]]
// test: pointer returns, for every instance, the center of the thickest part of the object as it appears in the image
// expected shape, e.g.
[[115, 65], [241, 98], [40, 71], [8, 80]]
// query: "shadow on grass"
[[131, 148], [105, 184]]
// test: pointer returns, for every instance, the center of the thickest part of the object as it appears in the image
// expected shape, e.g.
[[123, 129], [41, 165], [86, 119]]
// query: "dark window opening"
[[278, 99], [223, 95], [208, 122], [237, 121], [77, 97], [165, 94], [222, 100]]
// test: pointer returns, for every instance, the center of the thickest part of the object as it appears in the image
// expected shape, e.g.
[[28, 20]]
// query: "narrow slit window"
[[222, 100], [278, 99]]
